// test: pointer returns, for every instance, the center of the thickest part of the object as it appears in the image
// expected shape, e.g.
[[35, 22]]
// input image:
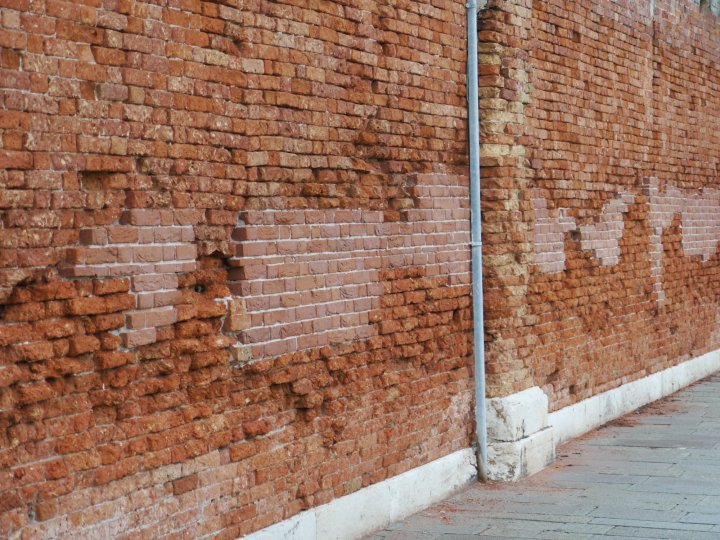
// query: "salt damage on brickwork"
[[299, 279], [344, 275], [593, 120], [602, 237], [699, 212], [149, 248]]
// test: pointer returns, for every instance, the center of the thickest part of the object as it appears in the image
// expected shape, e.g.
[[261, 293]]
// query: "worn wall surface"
[[234, 259], [234, 264], [611, 268]]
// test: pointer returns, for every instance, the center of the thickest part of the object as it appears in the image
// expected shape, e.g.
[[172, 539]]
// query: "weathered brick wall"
[[234, 263], [618, 215], [233, 246]]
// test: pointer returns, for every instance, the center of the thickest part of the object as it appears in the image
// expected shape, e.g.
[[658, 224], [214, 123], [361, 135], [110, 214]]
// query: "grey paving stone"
[[651, 524], [692, 486], [645, 532], [556, 535], [644, 514], [713, 518], [712, 501], [490, 537], [549, 518]]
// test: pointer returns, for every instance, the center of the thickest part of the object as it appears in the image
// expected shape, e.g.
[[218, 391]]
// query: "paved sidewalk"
[[654, 473]]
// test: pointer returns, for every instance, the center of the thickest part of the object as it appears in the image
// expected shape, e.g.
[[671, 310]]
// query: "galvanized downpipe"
[[476, 239]]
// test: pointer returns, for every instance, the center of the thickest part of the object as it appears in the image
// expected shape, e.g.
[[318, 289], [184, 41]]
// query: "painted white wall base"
[[574, 420], [358, 514]]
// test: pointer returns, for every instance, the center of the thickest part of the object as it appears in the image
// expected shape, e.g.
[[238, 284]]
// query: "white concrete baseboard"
[[577, 419], [520, 440], [511, 461], [358, 514]]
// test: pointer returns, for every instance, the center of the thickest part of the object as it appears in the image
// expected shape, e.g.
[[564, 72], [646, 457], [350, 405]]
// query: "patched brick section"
[[148, 247], [602, 237], [310, 278], [550, 229], [699, 212], [307, 278]]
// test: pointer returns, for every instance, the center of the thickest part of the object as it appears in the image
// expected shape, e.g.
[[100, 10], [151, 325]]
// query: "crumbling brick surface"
[[609, 267], [234, 262]]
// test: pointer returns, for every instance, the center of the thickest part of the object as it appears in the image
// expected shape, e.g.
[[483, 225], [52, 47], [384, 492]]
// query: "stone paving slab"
[[653, 474]]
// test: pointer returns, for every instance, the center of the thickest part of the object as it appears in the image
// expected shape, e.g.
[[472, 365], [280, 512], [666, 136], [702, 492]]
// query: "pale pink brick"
[[123, 235], [278, 316], [167, 298], [169, 253], [290, 300], [161, 316], [146, 235], [187, 234], [307, 341], [291, 330], [309, 282], [166, 235], [136, 319], [145, 254], [100, 255], [188, 217], [154, 282], [140, 217], [170, 267], [255, 335], [145, 300], [151, 318], [251, 249], [277, 348], [185, 252], [306, 312], [137, 338]]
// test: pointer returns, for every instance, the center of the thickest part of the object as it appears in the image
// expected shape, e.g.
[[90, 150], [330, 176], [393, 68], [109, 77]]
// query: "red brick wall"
[[233, 245], [617, 199], [234, 263]]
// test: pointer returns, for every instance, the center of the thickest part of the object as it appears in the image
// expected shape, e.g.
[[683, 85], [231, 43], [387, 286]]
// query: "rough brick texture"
[[605, 265], [234, 264]]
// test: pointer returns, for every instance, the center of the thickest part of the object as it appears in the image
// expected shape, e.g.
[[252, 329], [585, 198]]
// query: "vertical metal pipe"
[[476, 238]]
